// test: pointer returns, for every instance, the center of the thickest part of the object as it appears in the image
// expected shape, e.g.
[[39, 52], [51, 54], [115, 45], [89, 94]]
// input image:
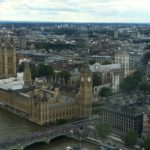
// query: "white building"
[[12, 83]]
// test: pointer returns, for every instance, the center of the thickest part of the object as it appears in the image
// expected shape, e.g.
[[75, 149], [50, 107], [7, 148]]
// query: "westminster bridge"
[[71, 130]]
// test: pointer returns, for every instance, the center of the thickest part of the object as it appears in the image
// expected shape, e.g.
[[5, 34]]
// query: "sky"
[[130, 11]]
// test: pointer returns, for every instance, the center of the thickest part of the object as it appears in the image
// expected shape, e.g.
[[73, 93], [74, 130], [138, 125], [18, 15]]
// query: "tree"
[[55, 46], [45, 71], [103, 130], [92, 61], [146, 57], [96, 79], [97, 110], [146, 143], [106, 62], [137, 75], [21, 67], [34, 71], [130, 138], [131, 82], [105, 92], [144, 86], [64, 74]]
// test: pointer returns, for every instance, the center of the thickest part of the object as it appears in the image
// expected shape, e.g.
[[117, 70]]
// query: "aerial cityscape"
[[74, 77]]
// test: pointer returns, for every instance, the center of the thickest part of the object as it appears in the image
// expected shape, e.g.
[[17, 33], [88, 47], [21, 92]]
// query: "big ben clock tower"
[[86, 80]]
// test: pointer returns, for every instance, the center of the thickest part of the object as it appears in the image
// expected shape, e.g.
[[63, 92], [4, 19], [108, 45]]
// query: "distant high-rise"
[[7, 58], [22, 42], [116, 34]]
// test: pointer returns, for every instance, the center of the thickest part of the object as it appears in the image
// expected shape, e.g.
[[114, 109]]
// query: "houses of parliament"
[[40, 104]]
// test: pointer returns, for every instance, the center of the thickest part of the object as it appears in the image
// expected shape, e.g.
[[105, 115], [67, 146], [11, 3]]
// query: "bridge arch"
[[32, 144], [45, 141], [57, 137]]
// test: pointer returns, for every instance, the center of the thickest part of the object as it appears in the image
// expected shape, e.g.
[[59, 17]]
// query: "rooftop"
[[85, 68]]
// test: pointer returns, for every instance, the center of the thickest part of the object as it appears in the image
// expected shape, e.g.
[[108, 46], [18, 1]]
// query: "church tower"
[[86, 80], [27, 75], [7, 58], [123, 59]]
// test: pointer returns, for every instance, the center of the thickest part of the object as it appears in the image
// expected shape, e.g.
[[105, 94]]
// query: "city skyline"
[[134, 11]]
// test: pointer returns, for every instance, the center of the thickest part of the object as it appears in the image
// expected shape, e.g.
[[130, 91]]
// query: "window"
[[10, 60]]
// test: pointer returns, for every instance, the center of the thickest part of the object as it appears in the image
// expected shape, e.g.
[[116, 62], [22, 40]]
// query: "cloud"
[[76, 10]]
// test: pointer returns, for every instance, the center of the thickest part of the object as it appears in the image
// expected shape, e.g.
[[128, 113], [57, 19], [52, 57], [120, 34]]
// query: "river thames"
[[12, 125]]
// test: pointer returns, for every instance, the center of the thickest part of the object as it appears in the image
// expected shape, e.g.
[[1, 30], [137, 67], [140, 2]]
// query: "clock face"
[[89, 79], [82, 79]]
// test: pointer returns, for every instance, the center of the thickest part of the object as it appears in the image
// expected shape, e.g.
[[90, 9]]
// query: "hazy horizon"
[[75, 11], [53, 22]]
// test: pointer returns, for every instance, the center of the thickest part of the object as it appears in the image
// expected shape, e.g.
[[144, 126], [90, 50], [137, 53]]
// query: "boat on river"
[[69, 148]]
